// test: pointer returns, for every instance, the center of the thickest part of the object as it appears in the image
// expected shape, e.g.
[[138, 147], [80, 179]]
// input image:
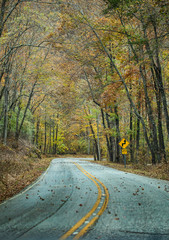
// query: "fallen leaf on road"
[[41, 198]]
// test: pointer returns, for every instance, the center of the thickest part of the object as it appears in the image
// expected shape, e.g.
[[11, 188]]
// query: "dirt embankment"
[[159, 171], [19, 167]]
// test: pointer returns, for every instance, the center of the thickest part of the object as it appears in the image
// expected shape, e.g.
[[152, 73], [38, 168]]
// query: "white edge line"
[[27, 188]]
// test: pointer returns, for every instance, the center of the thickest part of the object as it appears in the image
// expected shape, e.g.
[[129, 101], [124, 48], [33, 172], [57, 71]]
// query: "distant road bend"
[[78, 199]]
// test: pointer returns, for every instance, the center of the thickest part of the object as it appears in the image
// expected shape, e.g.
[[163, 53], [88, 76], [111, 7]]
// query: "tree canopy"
[[78, 76]]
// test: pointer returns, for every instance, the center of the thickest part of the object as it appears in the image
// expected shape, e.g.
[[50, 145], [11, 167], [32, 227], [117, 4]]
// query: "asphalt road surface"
[[78, 199]]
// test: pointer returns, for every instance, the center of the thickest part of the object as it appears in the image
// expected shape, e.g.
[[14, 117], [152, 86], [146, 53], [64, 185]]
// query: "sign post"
[[124, 143], [124, 160]]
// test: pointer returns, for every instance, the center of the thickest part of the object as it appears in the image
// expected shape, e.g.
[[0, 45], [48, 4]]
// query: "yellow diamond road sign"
[[124, 143]]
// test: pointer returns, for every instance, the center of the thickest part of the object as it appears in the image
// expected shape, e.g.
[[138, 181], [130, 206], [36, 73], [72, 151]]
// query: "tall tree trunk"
[[165, 107], [138, 127], [18, 115], [94, 137], [117, 134], [98, 137], [94, 140], [107, 139], [56, 136], [160, 132], [155, 146], [45, 139], [131, 134], [88, 141], [37, 131], [159, 89], [17, 122], [138, 123], [110, 139], [53, 138], [158, 72], [94, 151], [50, 140], [159, 113], [26, 109], [6, 96], [131, 126]]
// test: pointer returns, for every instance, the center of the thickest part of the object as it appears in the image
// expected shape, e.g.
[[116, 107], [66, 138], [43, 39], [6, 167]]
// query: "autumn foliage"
[[79, 77]]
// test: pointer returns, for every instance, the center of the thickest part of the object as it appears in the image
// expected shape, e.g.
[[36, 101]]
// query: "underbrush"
[[160, 171], [19, 167]]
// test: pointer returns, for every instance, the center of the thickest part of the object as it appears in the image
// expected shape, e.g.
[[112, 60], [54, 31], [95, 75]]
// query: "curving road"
[[78, 199]]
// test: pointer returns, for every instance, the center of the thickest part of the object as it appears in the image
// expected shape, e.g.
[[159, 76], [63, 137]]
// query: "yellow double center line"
[[95, 206]]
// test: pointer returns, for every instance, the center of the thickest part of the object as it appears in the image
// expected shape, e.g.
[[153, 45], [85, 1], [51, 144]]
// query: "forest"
[[77, 76]]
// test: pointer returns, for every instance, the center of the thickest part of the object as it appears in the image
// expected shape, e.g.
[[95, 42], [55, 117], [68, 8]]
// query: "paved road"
[[72, 196]]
